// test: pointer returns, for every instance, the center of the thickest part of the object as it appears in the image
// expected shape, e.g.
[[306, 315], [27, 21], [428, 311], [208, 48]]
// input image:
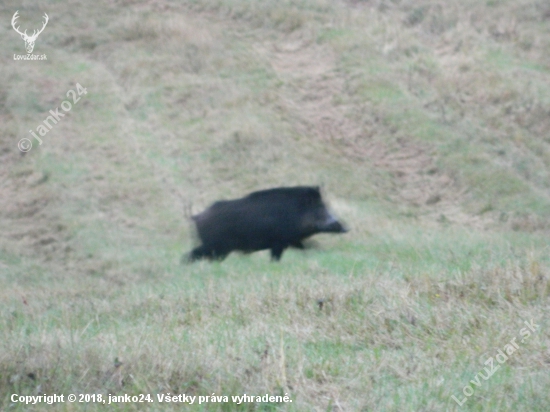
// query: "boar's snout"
[[332, 225]]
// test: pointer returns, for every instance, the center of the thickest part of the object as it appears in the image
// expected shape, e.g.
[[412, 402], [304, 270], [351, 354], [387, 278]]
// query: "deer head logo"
[[29, 40]]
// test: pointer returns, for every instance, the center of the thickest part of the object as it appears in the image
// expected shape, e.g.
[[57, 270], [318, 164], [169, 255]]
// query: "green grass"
[[426, 126]]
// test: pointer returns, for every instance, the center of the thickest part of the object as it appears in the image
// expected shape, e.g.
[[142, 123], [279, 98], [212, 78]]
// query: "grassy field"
[[427, 124]]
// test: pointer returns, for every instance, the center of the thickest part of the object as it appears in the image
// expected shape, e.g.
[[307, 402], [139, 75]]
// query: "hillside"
[[427, 125]]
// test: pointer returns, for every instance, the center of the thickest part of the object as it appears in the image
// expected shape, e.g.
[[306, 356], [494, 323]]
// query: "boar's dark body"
[[269, 219]]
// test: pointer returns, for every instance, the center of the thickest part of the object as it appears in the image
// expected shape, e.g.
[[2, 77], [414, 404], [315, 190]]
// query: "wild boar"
[[272, 219]]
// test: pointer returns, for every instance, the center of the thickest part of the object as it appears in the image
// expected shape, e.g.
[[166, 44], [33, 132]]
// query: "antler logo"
[[29, 40]]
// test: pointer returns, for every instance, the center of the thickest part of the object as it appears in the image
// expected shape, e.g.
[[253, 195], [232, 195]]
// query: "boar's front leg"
[[277, 251]]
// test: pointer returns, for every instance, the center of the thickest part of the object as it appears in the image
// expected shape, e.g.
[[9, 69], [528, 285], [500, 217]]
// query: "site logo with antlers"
[[29, 39]]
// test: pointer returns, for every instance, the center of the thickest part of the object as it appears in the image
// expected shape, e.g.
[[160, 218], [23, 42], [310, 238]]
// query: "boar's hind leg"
[[203, 252], [197, 253]]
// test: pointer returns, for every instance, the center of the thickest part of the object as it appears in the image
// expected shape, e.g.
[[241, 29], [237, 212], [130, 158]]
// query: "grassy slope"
[[427, 124]]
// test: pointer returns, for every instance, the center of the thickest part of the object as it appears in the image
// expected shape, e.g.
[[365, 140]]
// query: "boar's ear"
[[319, 189]]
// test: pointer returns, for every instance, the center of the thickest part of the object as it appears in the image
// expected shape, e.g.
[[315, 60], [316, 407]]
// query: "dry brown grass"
[[427, 124]]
